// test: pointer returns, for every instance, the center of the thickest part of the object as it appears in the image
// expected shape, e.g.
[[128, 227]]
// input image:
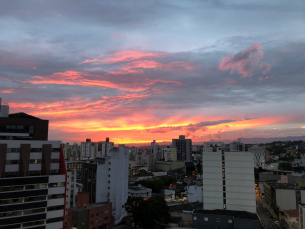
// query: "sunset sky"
[[137, 71]]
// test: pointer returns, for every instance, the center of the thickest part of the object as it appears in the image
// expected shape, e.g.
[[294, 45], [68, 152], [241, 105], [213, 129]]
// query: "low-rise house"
[[143, 176], [139, 191]]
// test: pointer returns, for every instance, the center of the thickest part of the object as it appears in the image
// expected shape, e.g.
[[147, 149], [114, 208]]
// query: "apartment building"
[[170, 153], [106, 180], [91, 150], [32, 184], [32, 174], [228, 179], [184, 148], [258, 156], [21, 126]]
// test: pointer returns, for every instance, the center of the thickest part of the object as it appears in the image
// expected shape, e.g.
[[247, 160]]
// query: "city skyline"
[[155, 69]]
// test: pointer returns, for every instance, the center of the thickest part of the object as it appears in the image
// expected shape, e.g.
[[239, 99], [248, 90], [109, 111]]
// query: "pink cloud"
[[121, 56], [244, 61], [9, 91], [93, 80]]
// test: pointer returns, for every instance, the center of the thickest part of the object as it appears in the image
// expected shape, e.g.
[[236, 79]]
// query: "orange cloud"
[[82, 79], [8, 91]]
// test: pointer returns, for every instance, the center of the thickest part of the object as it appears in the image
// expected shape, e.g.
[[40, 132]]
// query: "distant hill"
[[243, 140], [269, 140]]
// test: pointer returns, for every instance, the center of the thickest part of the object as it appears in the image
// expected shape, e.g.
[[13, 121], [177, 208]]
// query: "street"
[[266, 221]]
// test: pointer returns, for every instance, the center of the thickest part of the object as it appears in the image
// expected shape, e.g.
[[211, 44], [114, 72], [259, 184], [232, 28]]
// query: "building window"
[[206, 219], [92, 215], [224, 188], [92, 222], [224, 206], [224, 201], [230, 221], [224, 182], [224, 195], [195, 217]]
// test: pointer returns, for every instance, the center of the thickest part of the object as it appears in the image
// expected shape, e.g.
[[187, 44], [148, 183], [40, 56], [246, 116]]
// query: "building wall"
[[71, 190], [258, 156], [239, 175], [119, 180], [39, 128], [186, 218], [229, 186], [301, 216], [201, 221], [170, 154], [165, 166], [286, 199], [184, 148], [194, 193], [102, 176], [96, 149], [4, 110], [246, 223]]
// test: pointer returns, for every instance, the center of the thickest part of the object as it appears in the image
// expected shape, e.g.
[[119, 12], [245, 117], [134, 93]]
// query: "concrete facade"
[[90, 150], [258, 156], [283, 196], [139, 191], [228, 179], [184, 148], [194, 193], [32, 184], [111, 180], [225, 219], [170, 154]]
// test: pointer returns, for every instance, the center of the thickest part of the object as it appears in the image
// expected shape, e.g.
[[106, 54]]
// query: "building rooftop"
[[186, 207], [235, 214], [284, 186], [176, 220], [292, 213], [144, 174], [22, 115], [137, 188], [92, 205]]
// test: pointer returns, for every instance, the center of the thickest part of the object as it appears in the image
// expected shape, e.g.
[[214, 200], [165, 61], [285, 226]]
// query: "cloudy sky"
[[139, 70]]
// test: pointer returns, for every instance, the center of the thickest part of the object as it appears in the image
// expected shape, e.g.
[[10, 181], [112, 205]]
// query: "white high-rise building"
[[258, 156], [106, 179], [228, 179], [90, 150]]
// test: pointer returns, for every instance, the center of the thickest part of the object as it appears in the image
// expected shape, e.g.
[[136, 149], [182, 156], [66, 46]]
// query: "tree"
[[285, 166], [148, 214], [157, 184]]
